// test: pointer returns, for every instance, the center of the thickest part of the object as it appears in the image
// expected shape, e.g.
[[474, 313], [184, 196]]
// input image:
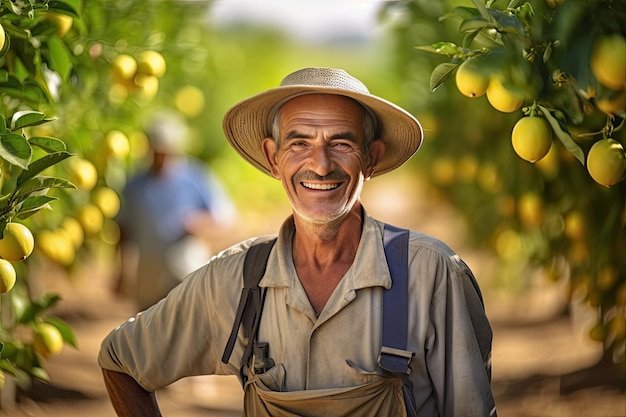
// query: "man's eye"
[[341, 145]]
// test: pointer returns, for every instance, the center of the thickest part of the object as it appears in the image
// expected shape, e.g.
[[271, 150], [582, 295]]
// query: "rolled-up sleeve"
[[181, 335], [452, 334]]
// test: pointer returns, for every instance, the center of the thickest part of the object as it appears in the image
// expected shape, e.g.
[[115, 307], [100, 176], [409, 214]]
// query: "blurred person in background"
[[169, 214]]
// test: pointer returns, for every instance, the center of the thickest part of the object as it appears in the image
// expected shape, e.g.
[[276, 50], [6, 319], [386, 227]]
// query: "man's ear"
[[375, 154], [269, 149]]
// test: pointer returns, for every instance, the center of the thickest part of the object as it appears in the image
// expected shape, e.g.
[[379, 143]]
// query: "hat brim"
[[248, 122]]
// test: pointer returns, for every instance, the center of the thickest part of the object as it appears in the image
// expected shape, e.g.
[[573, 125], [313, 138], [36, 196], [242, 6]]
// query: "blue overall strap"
[[394, 356]]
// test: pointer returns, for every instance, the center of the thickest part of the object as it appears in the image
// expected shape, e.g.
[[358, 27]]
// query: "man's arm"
[[128, 398]]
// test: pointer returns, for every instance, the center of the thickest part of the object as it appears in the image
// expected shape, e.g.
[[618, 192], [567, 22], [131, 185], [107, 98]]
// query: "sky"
[[311, 20]]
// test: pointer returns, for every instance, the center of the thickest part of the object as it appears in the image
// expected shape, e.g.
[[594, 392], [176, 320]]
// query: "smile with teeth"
[[323, 187]]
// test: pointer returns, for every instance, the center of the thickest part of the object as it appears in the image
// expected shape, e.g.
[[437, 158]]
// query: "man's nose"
[[321, 161]]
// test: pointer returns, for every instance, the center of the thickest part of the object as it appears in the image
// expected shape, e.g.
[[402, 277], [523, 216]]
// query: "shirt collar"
[[368, 270]]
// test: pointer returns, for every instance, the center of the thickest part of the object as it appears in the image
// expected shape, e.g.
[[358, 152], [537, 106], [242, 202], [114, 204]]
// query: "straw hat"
[[248, 122]]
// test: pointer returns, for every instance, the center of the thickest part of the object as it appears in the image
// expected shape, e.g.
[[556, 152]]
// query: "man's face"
[[321, 161]]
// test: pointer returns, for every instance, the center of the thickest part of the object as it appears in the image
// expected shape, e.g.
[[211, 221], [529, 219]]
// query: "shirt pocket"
[[271, 380], [354, 374]]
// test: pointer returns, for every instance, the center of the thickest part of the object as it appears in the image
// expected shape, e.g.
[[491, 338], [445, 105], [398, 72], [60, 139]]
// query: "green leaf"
[[15, 149], [48, 143], [3, 124], [482, 9], [38, 183], [440, 74], [27, 118], [36, 307], [507, 23], [39, 373], [33, 204], [473, 24], [40, 164], [59, 57], [559, 125], [69, 7], [65, 329]]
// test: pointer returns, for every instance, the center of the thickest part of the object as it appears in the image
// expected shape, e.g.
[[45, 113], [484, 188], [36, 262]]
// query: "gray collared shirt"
[[185, 334]]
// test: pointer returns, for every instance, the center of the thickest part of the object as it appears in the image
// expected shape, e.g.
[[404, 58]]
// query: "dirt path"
[[534, 344]]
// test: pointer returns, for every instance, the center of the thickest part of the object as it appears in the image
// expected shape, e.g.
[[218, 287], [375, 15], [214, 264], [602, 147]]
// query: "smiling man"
[[320, 346]]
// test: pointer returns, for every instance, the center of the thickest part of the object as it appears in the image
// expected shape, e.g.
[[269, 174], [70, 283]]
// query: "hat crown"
[[325, 77]]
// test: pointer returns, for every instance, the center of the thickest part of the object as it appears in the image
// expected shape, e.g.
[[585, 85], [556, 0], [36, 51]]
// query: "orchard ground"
[[539, 350]]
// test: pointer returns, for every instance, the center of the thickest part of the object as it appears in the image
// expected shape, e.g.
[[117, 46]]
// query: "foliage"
[[550, 215], [33, 56]]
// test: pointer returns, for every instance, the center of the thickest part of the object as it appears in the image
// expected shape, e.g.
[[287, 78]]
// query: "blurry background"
[[546, 240]]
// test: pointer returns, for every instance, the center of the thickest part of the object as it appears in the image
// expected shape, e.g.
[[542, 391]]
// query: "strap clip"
[[395, 360]]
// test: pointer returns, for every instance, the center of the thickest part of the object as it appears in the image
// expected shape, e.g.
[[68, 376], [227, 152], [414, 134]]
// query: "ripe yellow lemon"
[[531, 138], [57, 245], [530, 209], [502, 98], [152, 63], [107, 200], [575, 225], [147, 86], [74, 230], [63, 22], [91, 218], [470, 79], [47, 340], [83, 173], [7, 276], [17, 242], [2, 37], [189, 100], [124, 67], [606, 162], [608, 61], [117, 144]]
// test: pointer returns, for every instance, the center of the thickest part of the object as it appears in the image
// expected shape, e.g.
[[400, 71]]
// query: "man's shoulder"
[[241, 248]]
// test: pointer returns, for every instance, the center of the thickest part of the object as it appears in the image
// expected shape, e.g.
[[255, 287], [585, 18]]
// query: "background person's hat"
[[248, 122], [167, 132]]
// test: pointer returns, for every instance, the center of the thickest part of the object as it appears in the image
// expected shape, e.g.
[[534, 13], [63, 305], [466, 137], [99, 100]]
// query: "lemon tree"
[[34, 61], [546, 189]]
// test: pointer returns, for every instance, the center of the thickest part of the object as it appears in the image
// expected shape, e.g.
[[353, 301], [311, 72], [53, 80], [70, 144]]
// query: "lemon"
[[83, 173], [531, 138], [575, 225], [470, 79], [7, 276], [107, 200], [90, 218], [608, 61], [189, 100], [502, 98], [530, 209], [17, 242], [74, 230], [2, 37], [117, 144], [57, 245], [147, 86], [606, 162], [152, 63], [124, 67], [47, 340], [63, 22]]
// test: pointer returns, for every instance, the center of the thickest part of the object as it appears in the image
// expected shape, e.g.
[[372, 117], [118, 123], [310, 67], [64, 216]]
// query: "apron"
[[381, 397]]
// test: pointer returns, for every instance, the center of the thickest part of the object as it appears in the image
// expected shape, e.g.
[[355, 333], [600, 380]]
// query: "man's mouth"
[[317, 186]]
